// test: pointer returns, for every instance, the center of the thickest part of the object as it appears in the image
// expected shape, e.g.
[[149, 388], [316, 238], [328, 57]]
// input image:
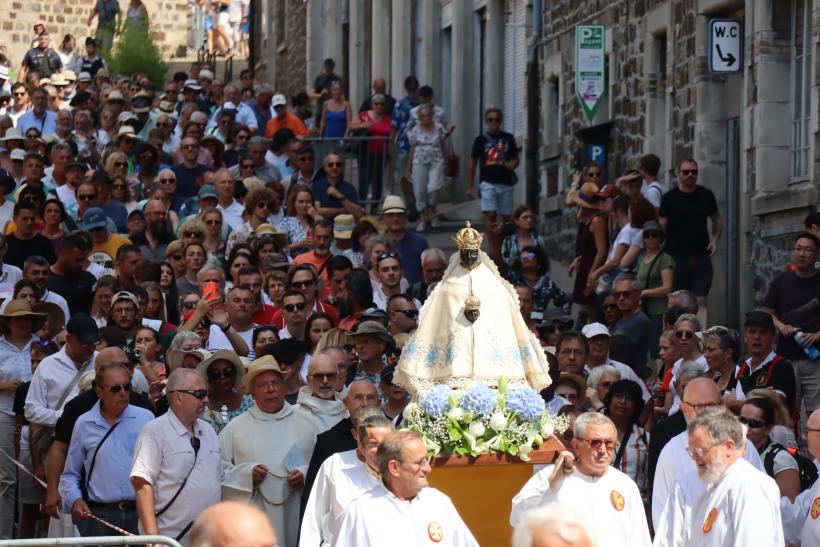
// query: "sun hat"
[[177, 355], [56, 317], [21, 308], [222, 355], [376, 330], [257, 367], [343, 226], [393, 204]]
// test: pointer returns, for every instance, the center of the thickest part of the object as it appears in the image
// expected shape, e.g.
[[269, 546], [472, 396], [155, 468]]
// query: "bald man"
[[232, 523], [318, 398], [801, 519], [674, 462], [554, 525]]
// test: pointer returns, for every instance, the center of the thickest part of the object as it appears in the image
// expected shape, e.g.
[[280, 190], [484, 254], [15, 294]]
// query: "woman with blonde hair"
[[258, 206], [783, 426]]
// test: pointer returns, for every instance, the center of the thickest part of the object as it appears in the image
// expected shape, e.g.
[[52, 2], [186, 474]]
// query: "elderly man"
[[232, 523], [231, 209], [433, 264], [592, 487], [726, 501], [177, 471], [402, 510], [372, 343], [344, 477], [800, 517], [318, 399], [598, 337], [553, 525], [269, 475], [674, 463], [634, 323], [109, 494]]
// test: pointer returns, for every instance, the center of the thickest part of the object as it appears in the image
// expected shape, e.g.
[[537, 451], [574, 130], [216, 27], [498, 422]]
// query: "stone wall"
[[291, 60], [168, 18]]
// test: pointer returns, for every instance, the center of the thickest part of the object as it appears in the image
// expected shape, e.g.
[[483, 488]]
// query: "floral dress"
[[217, 419], [295, 232], [544, 292]]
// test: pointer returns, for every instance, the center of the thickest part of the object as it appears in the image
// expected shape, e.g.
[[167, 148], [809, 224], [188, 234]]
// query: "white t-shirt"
[[628, 236]]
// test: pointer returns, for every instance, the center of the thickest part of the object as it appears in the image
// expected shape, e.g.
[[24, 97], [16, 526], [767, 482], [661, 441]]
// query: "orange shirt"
[[291, 121], [317, 263]]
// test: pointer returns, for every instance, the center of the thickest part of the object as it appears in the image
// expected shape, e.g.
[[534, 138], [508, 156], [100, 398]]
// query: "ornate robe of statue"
[[471, 329]]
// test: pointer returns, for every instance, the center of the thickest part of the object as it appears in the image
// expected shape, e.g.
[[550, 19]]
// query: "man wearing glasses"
[[318, 399], [334, 195], [99, 455], [674, 462], [177, 470], [726, 501], [590, 485], [800, 522], [683, 215], [189, 173], [402, 509], [403, 312], [634, 323]]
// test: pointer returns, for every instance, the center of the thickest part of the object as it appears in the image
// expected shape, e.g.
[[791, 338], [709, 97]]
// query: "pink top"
[[378, 129]]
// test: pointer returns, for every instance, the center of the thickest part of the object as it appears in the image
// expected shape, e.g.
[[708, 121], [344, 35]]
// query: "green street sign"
[[590, 78]]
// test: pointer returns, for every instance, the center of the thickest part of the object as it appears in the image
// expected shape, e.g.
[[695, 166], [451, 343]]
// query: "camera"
[[134, 355]]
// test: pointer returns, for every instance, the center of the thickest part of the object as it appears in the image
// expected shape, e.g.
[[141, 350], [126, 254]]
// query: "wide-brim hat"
[[176, 355], [393, 204], [56, 317], [222, 355], [257, 367], [13, 134], [343, 226], [588, 196], [20, 308], [126, 131], [376, 330]]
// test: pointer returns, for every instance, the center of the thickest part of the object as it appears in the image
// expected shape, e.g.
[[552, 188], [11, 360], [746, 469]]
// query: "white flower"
[[477, 429], [498, 421], [548, 430], [457, 414]]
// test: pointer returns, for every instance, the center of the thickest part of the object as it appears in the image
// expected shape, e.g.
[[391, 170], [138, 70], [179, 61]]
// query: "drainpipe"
[[533, 110]]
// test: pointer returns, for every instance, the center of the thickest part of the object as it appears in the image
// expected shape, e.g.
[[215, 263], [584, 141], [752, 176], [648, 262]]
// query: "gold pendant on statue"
[[471, 308]]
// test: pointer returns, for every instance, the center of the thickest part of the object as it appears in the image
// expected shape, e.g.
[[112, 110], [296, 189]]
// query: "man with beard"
[[157, 234], [36, 269], [125, 313], [726, 501], [318, 399], [592, 487]]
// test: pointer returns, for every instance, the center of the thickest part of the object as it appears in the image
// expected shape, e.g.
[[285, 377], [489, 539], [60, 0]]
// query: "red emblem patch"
[[815, 508], [434, 532], [617, 500], [710, 520]]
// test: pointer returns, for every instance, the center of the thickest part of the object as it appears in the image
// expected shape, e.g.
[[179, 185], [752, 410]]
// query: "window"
[[553, 111], [281, 22], [800, 87]]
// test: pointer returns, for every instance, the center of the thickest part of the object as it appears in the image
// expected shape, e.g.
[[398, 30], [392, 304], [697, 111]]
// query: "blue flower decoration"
[[479, 399], [435, 402], [526, 402]]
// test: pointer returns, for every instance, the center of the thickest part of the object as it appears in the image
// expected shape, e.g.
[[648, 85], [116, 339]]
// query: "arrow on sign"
[[729, 59]]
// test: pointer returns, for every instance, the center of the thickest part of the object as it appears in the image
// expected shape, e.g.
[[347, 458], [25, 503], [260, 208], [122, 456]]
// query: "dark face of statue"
[[471, 314], [469, 257]]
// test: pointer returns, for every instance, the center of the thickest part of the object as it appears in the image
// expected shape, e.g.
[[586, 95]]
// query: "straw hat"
[[263, 364], [582, 386], [588, 196], [56, 317], [222, 355], [20, 308], [176, 356]]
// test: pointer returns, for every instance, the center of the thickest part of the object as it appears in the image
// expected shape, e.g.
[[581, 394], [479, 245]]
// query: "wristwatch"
[[226, 328]]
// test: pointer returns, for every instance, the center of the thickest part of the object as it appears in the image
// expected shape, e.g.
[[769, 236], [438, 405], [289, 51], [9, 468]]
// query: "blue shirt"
[[400, 118], [111, 480], [117, 212], [320, 187], [45, 125], [410, 248]]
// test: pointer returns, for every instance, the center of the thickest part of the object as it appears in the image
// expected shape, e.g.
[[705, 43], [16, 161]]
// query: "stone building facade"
[[754, 134], [168, 18]]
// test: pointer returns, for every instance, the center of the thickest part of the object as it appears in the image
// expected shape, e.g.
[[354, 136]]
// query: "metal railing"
[[101, 540]]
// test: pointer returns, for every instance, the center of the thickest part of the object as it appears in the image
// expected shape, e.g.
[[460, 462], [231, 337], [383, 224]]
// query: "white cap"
[[84, 77], [18, 154], [125, 116], [206, 74], [4, 72], [279, 99], [591, 330]]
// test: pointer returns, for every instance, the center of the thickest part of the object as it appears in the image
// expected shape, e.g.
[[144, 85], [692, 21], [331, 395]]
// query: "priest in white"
[[266, 451], [592, 488], [674, 462], [317, 399], [343, 477], [801, 518], [735, 504], [402, 510]]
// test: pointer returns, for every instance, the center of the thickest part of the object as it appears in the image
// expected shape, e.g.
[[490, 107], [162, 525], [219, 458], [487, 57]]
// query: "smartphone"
[[209, 290]]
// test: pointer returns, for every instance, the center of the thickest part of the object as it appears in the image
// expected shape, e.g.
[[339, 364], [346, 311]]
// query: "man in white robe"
[[266, 450], [593, 488], [674, 463], [735, 505], [801, 518], [317, 399], [402, 510], [343, 477]]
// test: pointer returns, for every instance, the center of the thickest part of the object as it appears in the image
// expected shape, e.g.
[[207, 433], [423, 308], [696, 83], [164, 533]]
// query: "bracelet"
[[226, 328]]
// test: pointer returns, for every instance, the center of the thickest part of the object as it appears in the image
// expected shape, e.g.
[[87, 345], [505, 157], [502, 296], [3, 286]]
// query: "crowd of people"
[[186, 275]]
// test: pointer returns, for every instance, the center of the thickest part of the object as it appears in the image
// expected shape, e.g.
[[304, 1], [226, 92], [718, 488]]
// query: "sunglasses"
[[293, 307], [167, 181], [325, 375], [248, 166], [595, 174], [205, 323], [262, 205], [198, 393], [120, 164], [684, 334], [651, 235], [86, 197], [191, 234], [190, 304], [622, 294], [385, 256], [595, 444], [116, 388], [302, 284], [409, 314], [334, 164], [689, 171], [752, 424], [216, 374]]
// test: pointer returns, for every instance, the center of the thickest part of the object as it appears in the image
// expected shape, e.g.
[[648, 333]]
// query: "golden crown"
[[468, 238]]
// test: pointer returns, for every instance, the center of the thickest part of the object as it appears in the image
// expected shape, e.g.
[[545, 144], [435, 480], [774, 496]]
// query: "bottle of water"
[[223, 415], [812, 352]]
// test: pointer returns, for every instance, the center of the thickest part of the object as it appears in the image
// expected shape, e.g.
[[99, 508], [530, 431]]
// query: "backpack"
[[806, 468]]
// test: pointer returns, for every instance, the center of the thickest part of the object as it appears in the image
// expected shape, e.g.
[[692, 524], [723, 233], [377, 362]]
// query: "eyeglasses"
[[809, 430], [595, 444], [247, 166], [116, 388], [325, 375], [198, 393], [622, 294], [192, 234], [120, 164], [334, 164], [698, 452], [216, 374], [684, 334], [595, 174], [419, 463], [166, 181], [293, 307], [269, 385], [753, 424], [409, 314], [86, 197], [213, 222], [702, 406], [687, 172], [302, 284], [190, 304]]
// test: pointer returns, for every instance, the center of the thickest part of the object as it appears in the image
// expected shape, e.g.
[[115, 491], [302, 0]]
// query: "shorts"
[[694, 273], [496, 197], [29, 493], [223, 20]]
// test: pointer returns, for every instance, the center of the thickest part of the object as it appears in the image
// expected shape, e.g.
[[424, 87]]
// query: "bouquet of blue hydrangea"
[[481, 420]]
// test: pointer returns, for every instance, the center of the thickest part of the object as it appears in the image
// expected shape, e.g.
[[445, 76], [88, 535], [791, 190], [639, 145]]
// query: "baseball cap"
[[84, 328], [279, 100], [115, 95], [652, 226], [591, 330], [207, 191], [4, 72], [274, 261], [343, 226], [18, 154], [760, 318], [393, 204], [125, 295], [94, 218], [192, 85], [374, 313], [330, 63]]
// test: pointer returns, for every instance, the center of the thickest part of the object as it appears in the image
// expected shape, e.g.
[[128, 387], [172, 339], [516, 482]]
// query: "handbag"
[[451, 163]]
